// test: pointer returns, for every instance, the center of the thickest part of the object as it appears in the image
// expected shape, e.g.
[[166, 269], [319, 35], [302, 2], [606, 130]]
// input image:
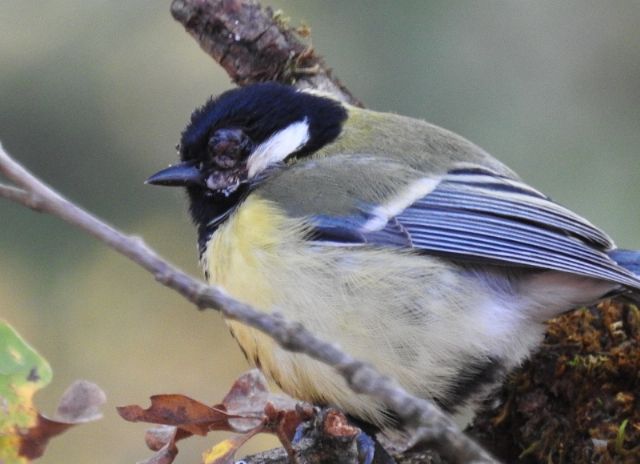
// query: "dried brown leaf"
[[181, 411], [246, 399], [248, 408], [157, 437], [79, 404]]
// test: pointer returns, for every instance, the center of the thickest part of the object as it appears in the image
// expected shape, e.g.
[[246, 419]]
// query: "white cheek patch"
[[278, 147], [399, 202]]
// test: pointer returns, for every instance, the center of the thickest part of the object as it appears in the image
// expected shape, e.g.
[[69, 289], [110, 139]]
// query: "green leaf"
[[22, 373]]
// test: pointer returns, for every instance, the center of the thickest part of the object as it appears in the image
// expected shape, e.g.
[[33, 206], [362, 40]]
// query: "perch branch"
[[433, 425], [255, 45]]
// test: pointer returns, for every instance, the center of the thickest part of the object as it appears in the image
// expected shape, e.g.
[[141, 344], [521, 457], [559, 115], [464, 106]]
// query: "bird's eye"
[[227, 148]]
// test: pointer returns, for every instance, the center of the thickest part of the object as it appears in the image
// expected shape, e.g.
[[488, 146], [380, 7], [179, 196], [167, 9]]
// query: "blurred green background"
[[94, 94]]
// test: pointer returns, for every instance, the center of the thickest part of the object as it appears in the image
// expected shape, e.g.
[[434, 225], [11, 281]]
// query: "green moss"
[[578, 392]]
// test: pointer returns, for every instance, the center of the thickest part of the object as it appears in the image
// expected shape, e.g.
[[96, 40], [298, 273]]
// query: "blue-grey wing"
[[474, 214]]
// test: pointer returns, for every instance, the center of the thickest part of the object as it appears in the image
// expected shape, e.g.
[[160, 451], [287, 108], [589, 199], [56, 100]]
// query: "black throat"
[[209, 211]]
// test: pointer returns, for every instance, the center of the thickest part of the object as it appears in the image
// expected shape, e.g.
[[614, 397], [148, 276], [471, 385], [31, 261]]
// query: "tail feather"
[[628, 259]]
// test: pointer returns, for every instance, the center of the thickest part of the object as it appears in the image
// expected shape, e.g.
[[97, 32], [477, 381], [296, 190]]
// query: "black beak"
[[178, 175]]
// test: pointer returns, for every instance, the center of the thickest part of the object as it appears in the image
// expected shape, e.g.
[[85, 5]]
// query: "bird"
[[403, 243]]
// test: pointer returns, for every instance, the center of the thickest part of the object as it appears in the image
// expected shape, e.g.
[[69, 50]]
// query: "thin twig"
[[436, 428], [18, 195]]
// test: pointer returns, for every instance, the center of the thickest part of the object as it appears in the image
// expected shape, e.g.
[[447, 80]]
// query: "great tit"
[[405, 244]]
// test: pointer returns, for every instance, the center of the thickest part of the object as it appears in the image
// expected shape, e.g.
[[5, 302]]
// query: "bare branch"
[[254, 45], [436, 428], [19, 196]]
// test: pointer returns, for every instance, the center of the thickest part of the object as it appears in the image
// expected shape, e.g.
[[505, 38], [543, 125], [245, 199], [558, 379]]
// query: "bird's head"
[[236, 139]]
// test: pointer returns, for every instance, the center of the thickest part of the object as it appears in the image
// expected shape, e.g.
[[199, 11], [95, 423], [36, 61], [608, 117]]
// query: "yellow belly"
[[379, 305], [258, 257]]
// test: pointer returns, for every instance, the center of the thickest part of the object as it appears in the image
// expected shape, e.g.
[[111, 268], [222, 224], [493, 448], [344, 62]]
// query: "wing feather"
[[474, 214]]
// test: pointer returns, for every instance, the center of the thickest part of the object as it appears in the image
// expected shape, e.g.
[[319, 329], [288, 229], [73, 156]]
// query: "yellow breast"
[[238, 258], [372, 302]]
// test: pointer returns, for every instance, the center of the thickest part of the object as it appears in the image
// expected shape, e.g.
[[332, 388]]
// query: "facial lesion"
[[227, 153]]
